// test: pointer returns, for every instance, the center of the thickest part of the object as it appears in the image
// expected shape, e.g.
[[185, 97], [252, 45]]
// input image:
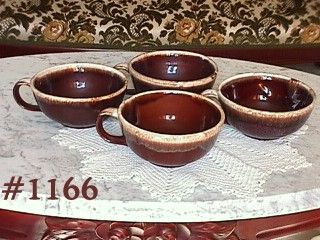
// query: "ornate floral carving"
[[83, 37], [153, 23], [5, 25], [61, 229], [213, 37], [291, 7], [56, 31], [261, 30], [187, 29], [311, 34]]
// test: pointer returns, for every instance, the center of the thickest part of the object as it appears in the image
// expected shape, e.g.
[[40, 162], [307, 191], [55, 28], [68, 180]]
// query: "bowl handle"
[[212, 94], [124, 68], [18, 98], [103, 115]]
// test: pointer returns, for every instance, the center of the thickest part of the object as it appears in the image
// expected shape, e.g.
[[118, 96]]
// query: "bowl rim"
[[173, 138], [242, 108], [169, 83], [77, 67]]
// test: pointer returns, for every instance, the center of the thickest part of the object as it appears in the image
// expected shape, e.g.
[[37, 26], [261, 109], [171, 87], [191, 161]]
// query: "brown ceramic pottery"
[[166, 127], [266, 106], [74, 94], [176, 70]]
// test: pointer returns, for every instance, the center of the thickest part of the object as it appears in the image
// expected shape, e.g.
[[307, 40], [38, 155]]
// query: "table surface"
[[27, 150]]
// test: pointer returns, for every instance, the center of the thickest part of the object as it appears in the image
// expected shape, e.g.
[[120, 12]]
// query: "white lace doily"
[[236, 165]]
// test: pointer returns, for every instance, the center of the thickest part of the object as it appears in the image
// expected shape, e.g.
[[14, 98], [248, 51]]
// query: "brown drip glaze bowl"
[[74, 94], [166, 127], [175, 70], [266, 106]]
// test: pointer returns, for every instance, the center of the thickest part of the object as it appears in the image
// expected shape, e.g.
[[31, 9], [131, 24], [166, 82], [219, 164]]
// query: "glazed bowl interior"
[[169, 113], [266, 93], [174, 67], [76, 84]]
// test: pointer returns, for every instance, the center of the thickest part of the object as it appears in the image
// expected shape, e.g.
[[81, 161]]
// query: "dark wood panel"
[[14, 225], [276, 55], [272, 227], [19, 226]]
